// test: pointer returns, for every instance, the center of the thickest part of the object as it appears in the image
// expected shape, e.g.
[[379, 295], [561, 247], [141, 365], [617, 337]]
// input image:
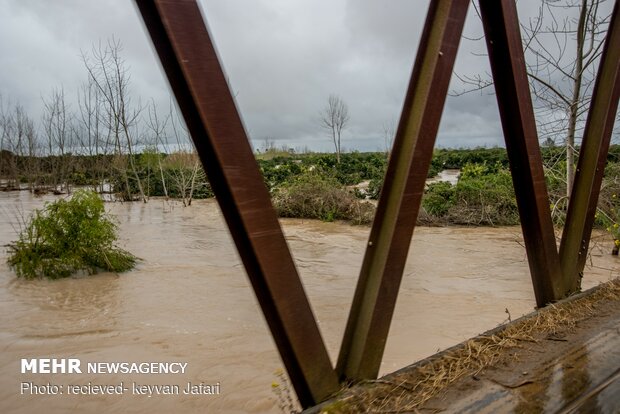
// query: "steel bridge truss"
[[194, 72]]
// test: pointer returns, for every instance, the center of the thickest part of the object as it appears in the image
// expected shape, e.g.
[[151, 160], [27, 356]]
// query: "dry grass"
[[407, 390]]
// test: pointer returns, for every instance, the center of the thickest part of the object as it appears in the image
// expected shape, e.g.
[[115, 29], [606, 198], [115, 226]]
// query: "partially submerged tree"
[[66, 237], [58, 131], [29, 147], [157, 128], [18, 146], [92, 134], [108, 72], [183, 165], [334, 118]]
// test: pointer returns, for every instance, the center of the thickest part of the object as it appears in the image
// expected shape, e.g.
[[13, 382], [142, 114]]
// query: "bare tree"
[[562, 45], [92, 135], [3, 123], [58, 133], [269, 144], [334, 118], [18, 147], [565, 52], [107, 70], [28, 148], [157, 128], [7, 156], [183, 164], [389, 132]]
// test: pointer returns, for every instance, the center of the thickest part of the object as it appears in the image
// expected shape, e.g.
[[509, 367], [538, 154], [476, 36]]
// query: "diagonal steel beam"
[[186, 51], [592, 158], [375, 296], [501, 26]]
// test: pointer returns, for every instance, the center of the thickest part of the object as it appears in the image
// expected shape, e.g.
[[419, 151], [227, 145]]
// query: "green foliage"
[[174, 166], [353, 168], [458, 158], [608, 214], [482, 196], [612, 226], [66, 237], [555, 178], [317, 196], [470, 170], [486, 199], [276, 174], [438, 198], [434, 169], [374, 188]]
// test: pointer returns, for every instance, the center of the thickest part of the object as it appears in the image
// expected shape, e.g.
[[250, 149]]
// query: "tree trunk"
[[193, 184], [163, 180], [574, 104]]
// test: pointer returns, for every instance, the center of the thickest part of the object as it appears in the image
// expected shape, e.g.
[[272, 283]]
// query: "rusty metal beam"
[[592, 158], [375, 296], [189, 59], [501, 26]]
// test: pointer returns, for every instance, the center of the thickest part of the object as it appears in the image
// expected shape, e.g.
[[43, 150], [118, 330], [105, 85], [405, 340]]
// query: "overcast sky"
[[283, 58]]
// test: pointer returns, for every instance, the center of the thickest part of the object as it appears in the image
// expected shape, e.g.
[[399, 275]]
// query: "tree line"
[[108, 141]]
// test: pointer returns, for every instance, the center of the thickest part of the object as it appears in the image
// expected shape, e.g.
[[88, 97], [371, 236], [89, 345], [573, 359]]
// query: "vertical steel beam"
[[501, 26], [375, 296], [188, 56], [592, 158]]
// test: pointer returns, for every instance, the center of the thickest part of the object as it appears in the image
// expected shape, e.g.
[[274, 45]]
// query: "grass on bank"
[[408, 390]]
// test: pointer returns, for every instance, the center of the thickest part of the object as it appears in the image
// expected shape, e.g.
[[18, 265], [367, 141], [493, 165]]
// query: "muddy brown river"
[[189, 301]]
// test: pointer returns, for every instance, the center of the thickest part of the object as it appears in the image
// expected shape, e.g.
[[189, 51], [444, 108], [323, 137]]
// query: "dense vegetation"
[[315, 195], [68, 236], [315, 185], [177, 175], [77, 235], [482, 196]]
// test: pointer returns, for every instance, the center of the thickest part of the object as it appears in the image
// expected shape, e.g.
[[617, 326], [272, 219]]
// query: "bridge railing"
[[190, 61]]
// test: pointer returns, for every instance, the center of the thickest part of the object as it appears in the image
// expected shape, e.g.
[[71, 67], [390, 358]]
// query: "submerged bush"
[[314, 195], [66, 237], [483, 196]]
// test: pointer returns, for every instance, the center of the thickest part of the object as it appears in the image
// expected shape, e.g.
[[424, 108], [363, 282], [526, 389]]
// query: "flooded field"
[[189, 301]]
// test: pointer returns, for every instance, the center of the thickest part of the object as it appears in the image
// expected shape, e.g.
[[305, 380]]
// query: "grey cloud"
[[283, 59]]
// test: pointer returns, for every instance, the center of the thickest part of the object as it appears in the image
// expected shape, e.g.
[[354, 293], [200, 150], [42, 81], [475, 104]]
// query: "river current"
[[189, 301]]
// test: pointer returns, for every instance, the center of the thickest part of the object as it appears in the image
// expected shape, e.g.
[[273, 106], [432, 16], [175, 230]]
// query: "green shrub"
[[485, 200], [608, 212], [438, 198], [66, 237], [481, 197], [374, 188], [314, 195]]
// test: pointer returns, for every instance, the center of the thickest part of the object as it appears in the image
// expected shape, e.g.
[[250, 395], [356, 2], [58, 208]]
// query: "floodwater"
[[189, 301], [451, 176]]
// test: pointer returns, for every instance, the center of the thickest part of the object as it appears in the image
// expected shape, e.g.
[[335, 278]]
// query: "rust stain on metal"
[[191, 64], [375, 296], [501, 27]]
